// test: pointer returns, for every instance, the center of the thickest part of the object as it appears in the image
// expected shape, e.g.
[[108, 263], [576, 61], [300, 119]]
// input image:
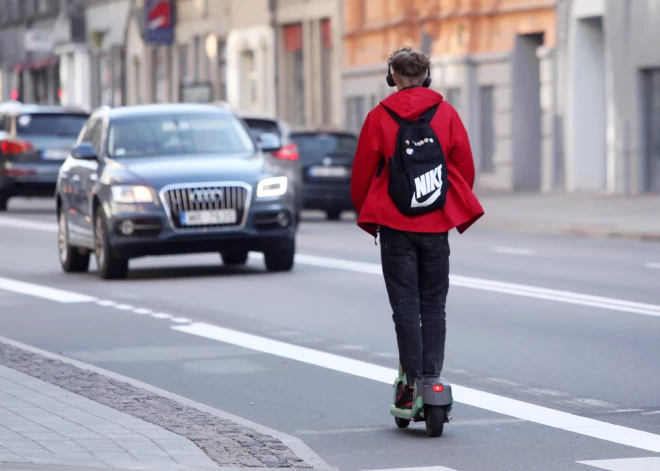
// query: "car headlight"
[[132, 194], [269, 187]]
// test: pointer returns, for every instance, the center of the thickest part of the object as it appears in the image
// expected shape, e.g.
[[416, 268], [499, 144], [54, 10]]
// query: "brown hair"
[[409, 64]]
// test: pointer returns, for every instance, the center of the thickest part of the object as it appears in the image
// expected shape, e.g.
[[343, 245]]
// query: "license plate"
[[336, 172], [55, 154], [204, 218]]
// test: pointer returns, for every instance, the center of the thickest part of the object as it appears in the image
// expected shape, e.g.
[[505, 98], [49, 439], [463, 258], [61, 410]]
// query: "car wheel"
[[109, 266], [4, 199], [234, 258], [280, 261], [72, 259], [333, 215]]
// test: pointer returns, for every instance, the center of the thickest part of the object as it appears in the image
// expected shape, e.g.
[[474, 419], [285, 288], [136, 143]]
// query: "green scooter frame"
[[432, 404]]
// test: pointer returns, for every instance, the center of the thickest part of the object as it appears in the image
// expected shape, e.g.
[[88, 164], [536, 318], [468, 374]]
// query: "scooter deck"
[[414, 414]]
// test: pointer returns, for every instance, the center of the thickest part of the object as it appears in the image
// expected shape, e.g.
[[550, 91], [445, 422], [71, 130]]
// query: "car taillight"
[[288, 152], [15, 146]]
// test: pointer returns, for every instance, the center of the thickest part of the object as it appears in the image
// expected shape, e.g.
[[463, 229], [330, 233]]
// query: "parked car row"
[[172, 179]]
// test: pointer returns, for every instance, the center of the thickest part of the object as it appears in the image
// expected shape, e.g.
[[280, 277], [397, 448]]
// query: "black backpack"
[[418, 170]]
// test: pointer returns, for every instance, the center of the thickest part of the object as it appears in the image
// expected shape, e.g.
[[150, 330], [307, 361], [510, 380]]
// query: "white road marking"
[[181, 320], [124, 307], [16, 223], [430, 468], [350, 348], [472, 397], [456, 280], [626, 464], [651, 413], [621, 411], [497, 286], [652, 265], [513, 251], [39, 291], [105, 303], [142, 311], [162, 315]]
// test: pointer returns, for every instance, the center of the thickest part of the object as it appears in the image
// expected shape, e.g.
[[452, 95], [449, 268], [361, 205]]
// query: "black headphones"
[[390, 80]]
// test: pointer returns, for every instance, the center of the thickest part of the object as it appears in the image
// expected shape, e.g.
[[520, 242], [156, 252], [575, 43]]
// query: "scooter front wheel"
[[401, 423], [435, 420]]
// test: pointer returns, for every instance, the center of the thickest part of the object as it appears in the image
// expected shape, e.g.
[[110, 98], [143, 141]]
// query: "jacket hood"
[[410, 103]]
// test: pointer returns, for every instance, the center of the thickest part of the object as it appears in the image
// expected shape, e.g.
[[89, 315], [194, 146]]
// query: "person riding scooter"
[[412, 183]]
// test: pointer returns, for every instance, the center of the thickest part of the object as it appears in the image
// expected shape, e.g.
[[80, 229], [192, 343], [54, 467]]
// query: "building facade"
[[611, 85], [481, 52], [29, 71]]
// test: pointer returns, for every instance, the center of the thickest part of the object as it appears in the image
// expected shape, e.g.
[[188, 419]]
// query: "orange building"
[[492, 59]]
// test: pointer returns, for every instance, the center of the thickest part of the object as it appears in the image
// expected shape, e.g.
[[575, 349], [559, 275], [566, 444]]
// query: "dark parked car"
[[34, 141], [172, 179], [260, 124], [327, 161]]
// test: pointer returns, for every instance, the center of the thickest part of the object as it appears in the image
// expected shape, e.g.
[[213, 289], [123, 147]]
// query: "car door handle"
[[75, 178]]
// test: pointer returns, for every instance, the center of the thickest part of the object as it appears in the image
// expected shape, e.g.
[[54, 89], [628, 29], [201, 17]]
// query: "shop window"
[[222, 70], [293, 46], [487, 127]]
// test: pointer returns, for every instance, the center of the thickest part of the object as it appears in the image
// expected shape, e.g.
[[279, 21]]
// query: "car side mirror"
[[270, 142], [84, 151]]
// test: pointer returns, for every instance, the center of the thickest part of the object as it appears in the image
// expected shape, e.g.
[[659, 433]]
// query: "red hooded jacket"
[[378, 140]]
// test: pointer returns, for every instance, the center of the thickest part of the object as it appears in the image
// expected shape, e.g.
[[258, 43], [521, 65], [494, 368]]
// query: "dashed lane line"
[[513, 251], [514, 289]]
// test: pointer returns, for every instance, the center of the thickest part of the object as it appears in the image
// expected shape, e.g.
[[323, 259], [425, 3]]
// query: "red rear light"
[[438, 388], [289, 152], [14, 94], [15, 146]]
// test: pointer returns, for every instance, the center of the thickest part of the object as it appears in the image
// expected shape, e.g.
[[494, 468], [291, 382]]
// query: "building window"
[[487, 128], [453, 96], [295, 70], [119, 79], [197, 52], [45, 6], [159, 78], [248, 79], [105, 79], [222, 70], [355, 113], [652, 118], [184, 70], [326, 70]]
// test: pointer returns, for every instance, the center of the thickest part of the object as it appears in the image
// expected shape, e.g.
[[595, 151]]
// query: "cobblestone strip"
[[225, 442]]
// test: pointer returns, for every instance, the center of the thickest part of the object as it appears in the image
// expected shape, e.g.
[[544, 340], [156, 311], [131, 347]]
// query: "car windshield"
[[178, 134], [311, 146], [50, 124]]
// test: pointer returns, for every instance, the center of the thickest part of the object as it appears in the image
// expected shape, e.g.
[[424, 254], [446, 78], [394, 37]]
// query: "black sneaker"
[[404, 399]]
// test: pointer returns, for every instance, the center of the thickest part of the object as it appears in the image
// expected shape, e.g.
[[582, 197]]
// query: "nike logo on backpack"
[[425, 184]]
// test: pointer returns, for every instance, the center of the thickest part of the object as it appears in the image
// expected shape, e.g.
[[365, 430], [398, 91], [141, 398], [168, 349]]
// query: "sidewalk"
[[635, 217], [53, 417]]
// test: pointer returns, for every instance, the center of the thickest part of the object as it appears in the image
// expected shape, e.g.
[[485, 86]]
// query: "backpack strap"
[[394, 116], [428, 115]]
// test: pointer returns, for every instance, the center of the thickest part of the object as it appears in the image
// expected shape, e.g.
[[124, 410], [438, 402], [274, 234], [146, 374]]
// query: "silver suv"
[[34, 142]]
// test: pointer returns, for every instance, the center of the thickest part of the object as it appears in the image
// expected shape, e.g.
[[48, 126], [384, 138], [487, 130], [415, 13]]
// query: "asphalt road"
[[568, 327]]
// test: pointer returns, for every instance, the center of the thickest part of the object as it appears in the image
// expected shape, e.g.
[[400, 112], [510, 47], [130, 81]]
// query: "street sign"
[[160, 21], [38, 40]]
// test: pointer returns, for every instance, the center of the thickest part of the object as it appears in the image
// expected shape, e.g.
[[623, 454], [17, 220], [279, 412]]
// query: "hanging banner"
[[160, 21]]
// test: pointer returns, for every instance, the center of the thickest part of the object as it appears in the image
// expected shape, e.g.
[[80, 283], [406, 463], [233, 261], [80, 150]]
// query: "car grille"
[[198, 198]]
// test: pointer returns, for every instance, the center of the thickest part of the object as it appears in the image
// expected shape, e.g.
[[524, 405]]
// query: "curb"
[[295, 444]]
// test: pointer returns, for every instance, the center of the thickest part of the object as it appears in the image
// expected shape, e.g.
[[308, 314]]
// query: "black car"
[[327, 162], [172, 179], [34, 141]]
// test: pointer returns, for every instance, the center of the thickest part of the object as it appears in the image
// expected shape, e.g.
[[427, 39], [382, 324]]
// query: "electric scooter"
[[432, 404]]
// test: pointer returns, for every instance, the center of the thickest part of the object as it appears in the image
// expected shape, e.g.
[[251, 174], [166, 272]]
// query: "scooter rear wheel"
[[401, 423], [435, 420]]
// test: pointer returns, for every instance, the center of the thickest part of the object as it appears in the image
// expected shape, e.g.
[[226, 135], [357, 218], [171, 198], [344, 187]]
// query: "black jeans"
[[416, 271]]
